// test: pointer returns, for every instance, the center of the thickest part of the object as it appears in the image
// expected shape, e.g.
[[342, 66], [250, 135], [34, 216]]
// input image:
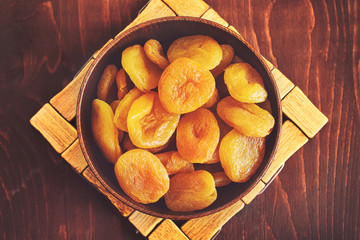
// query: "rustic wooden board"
[[57, 131], [291, 140], [303, 112], [167, 230], [65, 101], [206, 227], [62, 136], [75, 157], [144, 222]]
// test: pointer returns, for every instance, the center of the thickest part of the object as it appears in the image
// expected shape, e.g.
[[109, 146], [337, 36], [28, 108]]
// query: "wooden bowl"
[[166, 30]]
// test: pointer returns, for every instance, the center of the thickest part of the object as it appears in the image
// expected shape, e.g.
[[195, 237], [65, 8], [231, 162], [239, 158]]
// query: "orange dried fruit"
[[155, 53], [122, 80], [106, 82], [143, 73], [213, 99], [191, 191], [221, 179], [197, 135], [114, 105], [142, 176], [202, 49], [227, 57], [104, 130], [148, 123], [224, 129], [245, 83], [174, 163], [185, 86], [123, 107], [127, 145], [241, 155], [247, 118]]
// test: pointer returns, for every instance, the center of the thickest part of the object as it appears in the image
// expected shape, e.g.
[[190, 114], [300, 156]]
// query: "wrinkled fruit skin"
[[213, 99], [241, 155], [122, 83], [144, 73], [244, 83], [155, 53], [221, 179], [127, 145], [104, 130], [148, 123], [247, 118], [174, 163], [191, 191], [106, 83], [197, 135], [185, 86], [123, 107], [227, 57], [202, 49], [142, 176]]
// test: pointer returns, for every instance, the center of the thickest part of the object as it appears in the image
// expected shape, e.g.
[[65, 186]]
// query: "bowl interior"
[[166, 31]]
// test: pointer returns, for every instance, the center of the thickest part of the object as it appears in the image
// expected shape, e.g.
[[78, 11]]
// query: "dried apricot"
[[241, 155], [155, 53], [224, 129], [213, 100], [197, 135], [227, 57], [244, 83], [114, 105], [127, 144], [104, 130], [202, 49], [221, 179], [144, 73], [122, 83], [185, 86], [149, 124], [191, 191], [122, 110], [142, 176], [247, 118], [174, 163], [106, 82]]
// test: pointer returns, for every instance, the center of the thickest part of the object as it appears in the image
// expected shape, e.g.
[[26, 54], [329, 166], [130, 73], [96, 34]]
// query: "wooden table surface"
[[314, 43]]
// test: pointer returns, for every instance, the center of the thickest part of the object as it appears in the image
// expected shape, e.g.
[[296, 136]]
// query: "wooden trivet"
[[52, 121]]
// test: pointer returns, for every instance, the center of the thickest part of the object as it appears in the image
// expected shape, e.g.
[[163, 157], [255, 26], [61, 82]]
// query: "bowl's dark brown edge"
[[189, 216]]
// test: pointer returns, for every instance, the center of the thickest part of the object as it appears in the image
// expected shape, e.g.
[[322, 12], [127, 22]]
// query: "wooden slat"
[[98, 51], [269, 64], [291, 140], [193, 8], [65, 101], [57, 131], [123, 209], [234, 30], [75, 157], [206, 227], [154, 9], [144, 222], [303, 112], [253, 193], [167, 230], [212, 15], [283, 83]]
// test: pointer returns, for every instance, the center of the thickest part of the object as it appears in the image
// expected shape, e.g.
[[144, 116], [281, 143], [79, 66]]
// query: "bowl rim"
[[103, 52]]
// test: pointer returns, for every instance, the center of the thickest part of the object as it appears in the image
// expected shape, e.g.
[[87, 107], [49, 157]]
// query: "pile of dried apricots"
[[171, 130]]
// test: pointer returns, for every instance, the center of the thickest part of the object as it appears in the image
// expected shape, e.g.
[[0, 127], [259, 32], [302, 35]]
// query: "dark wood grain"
[[314, 43]]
